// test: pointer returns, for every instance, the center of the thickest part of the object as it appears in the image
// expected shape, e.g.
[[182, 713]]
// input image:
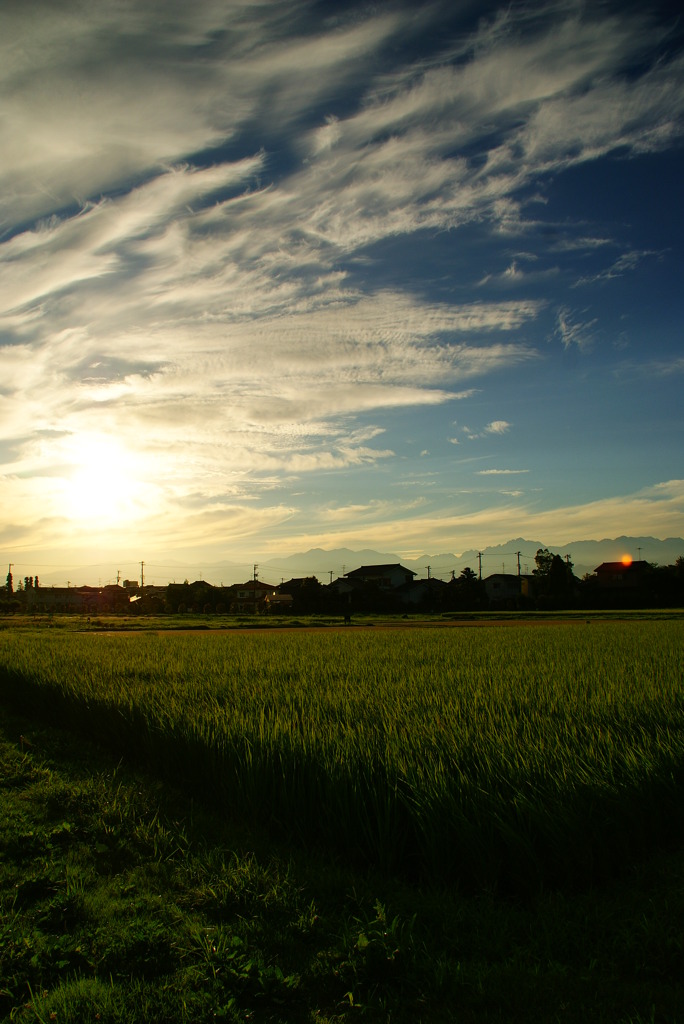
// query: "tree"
[[543, 558], [467, 576], [555, 577], [466, 591], [10, 582]]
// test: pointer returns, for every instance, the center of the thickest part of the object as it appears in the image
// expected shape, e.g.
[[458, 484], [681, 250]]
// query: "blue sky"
[[286, 275]]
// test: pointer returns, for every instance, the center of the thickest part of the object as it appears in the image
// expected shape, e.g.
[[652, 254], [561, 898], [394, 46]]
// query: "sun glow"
[[626, 559], [104, 483]]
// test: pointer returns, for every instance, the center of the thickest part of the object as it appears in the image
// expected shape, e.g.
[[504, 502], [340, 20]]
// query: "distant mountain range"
[[585, 555], [324, 564]]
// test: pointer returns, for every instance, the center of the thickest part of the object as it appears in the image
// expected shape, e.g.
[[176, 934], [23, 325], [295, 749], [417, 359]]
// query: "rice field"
[[493, 758]]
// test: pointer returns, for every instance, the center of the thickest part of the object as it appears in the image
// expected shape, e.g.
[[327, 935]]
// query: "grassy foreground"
[[422, 826], [121, 901], [489, 758]]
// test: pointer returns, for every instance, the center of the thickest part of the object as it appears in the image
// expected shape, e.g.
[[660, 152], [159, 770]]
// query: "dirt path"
[[382, 626]]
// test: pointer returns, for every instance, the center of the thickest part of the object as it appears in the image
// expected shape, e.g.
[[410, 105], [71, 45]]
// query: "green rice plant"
[[495, 756]]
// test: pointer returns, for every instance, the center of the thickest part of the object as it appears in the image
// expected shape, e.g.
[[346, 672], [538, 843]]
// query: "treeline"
[[551, 586]]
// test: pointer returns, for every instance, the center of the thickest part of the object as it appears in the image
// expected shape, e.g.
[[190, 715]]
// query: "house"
[[341, 587], [621, 575], [386, 577], [429, 594], [149, 600], [57, 599], [278, 601], [298, 585], [308, 596], [502, 588], [250, 597]]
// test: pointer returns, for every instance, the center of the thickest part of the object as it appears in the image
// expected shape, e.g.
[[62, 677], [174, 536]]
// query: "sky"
[[280, 275]]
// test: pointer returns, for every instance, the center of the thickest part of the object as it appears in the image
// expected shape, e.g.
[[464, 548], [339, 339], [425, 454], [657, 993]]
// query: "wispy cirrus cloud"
[[496, 427], [571, 331], [624, 264], [650, 509], [651, 368]]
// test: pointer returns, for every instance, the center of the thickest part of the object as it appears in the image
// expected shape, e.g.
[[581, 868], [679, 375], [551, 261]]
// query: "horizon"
[[278, 277], [438, 565]]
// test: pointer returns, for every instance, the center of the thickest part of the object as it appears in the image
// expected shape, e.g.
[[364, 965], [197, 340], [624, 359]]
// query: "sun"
[[103, 483], [626, 560]]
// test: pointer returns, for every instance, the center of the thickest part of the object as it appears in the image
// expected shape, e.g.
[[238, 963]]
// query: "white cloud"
[[625, 263], [515, 276], [665, 367], [653, 511], [496, 427], [575, 332]]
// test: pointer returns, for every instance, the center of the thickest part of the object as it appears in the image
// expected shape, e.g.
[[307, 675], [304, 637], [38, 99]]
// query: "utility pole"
[[518, 554], [142, 575], [256, 577], [331, 574], [118, 577], [479, 559], [428, 567], [10, 588]]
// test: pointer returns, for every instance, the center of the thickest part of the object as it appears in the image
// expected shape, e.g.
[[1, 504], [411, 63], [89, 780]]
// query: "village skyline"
[[329, 564]]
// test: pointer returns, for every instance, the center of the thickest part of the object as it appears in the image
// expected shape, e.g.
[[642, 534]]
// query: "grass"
[[196, 621], [123, 901], [392, 825], [488, 758]]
